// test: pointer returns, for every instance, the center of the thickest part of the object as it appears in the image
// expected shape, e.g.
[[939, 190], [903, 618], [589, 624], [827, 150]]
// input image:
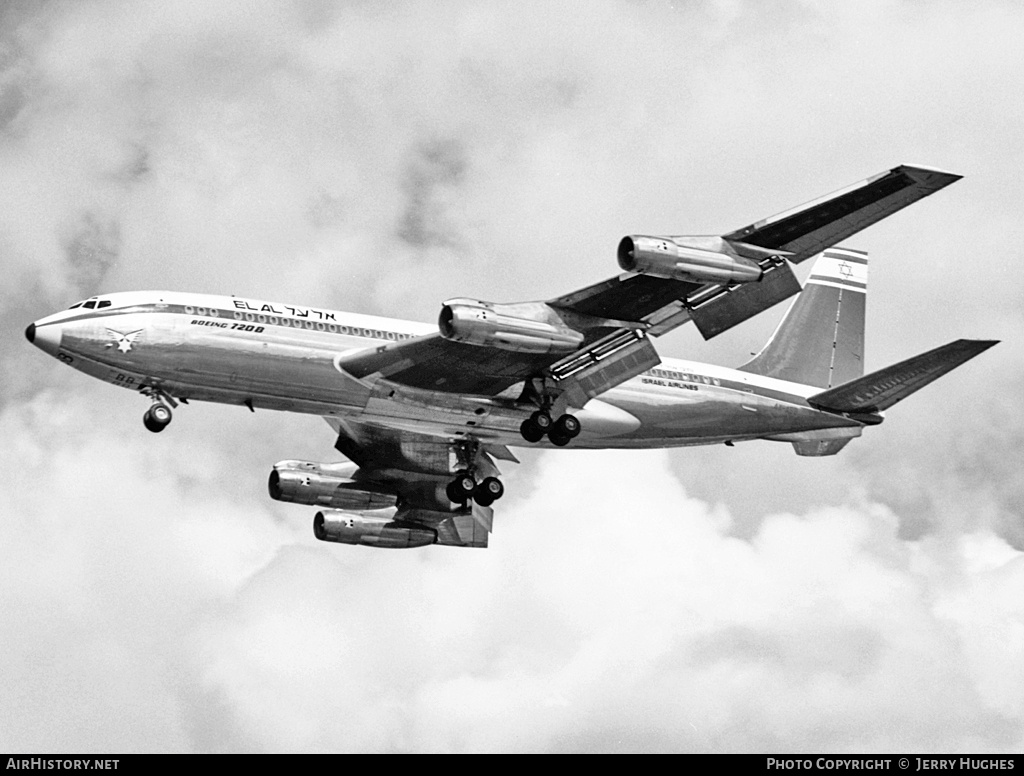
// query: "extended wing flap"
[[462, 530], [610, 361], [454, 529], [882, 389], [721, 308]]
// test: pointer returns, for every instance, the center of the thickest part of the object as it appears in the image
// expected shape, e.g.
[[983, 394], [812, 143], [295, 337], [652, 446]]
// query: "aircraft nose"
[[45, 337]]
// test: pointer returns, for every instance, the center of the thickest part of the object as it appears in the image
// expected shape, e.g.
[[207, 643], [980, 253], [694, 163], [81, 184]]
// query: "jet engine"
[[370, 530], [530, 327], [664, 257], [324, 485]]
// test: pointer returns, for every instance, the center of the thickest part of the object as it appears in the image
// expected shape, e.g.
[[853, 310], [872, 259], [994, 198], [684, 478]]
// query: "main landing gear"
[[559, 432], [159, 414], [464, 487], [475, 475]]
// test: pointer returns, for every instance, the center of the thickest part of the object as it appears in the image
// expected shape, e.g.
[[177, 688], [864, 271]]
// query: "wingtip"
[[975, 346], [929, 175]]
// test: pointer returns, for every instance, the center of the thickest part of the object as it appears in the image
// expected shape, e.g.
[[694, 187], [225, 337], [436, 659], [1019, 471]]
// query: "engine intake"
[[324, 485], [370, 530], [664, 257], [531, 327]]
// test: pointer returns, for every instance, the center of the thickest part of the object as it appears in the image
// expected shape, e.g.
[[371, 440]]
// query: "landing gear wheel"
[[461, 489], [488, 491], [157, 417], [566, 426], [530, 431], [454, 497], [559, 440], [541, 420]]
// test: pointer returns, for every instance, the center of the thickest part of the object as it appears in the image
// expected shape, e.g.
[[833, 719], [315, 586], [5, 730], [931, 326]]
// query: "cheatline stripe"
[[852, 258], [836, 279], [859, 288]]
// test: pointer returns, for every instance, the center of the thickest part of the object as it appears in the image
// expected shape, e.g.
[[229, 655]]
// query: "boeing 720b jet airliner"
[[423, 412]]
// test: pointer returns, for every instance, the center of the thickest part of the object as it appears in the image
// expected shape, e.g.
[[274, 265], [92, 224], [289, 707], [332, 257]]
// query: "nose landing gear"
[[159, 415]]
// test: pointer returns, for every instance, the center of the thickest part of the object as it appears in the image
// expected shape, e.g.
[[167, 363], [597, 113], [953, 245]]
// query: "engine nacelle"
[[370, 530], [663, 257], [323, 485], [530, 327]]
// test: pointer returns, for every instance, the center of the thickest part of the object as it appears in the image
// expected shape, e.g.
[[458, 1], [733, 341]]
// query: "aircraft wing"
[[809, 229], [617, 307], [416, 467], [374, 447], [796, 235], [608, 357], [434, 363], [627, 297]]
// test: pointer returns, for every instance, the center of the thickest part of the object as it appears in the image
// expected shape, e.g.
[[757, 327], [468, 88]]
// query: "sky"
[[383, 157]]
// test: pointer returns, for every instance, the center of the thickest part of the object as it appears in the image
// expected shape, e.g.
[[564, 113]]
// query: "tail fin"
[[880, 390], [820, 341]]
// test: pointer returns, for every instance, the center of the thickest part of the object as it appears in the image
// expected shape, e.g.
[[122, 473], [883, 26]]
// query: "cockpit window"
[[103, 303], [90, 304], [76, 304]]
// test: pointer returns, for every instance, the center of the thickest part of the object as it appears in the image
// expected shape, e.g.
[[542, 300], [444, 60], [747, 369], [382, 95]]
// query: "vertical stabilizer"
[[820, 341]]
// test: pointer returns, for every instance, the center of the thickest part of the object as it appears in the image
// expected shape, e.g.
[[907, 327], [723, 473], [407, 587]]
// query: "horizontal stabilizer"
[[882, 389]]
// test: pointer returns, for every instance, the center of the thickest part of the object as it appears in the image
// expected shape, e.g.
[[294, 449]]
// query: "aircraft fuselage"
[[283, 357]]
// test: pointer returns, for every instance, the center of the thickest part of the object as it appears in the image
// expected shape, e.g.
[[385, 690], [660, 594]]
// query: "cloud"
[[382, 159], [603, 621]]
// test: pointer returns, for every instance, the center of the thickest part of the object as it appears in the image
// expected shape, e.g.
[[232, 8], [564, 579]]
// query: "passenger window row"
[[299, 323]]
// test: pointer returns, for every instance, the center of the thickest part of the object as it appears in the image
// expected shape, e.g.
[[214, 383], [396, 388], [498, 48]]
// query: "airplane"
[[424, 412]]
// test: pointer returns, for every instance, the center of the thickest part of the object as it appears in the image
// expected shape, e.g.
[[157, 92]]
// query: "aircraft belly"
[[601, 420], [710, 412]]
